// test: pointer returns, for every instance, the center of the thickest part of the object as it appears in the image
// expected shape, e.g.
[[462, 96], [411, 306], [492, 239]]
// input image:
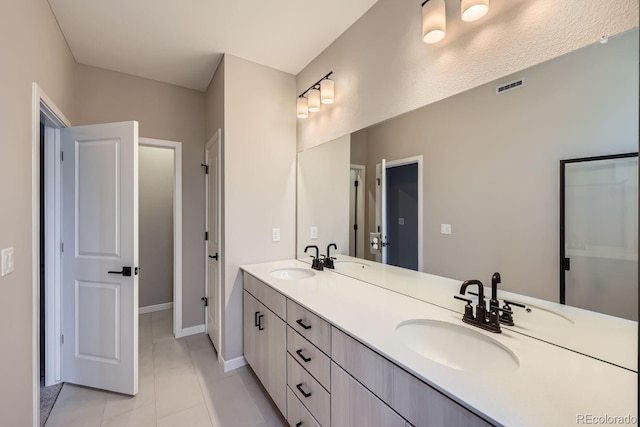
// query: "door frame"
[[41, 104], [217, 137], [563, 163], [178, 332], [361, 207], [403, 162]]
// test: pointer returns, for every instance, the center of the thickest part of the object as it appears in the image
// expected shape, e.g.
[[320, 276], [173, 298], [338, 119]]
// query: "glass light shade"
[[313, 100], [302, 109], [472, 10], [326, 91], [434, 21]]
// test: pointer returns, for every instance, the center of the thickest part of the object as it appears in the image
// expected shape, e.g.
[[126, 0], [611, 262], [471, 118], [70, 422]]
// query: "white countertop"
[[604, 337], [551, 386]]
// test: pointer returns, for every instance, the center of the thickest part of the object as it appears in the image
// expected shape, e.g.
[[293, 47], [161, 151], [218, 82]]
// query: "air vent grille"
[[509, 86]]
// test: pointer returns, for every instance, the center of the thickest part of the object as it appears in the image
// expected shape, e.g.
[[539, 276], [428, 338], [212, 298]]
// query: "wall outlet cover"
[[275, 234], [445, 228], [7, 261], [314, 232]]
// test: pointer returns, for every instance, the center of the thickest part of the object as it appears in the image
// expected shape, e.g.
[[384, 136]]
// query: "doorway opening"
[[399, 213], [160, 216]]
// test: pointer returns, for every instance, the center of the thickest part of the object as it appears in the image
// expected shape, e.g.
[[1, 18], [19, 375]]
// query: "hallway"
[[180, 384]]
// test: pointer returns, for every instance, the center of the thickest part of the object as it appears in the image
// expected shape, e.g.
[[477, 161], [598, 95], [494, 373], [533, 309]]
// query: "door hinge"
[[206, 168], [62, 339], [62, 156], [355, 227], [355, 183], [61, 246], [378, 181], [206, 235], [206, 301]]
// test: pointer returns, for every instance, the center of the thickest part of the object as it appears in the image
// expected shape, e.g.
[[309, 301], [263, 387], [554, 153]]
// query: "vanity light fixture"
[[472, 10], [434, 21], [321, 92], [302, 108]]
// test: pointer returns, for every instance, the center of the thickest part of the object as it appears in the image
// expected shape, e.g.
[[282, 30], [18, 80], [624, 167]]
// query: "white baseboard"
[[230, 365], [185, 332], [157, 307]]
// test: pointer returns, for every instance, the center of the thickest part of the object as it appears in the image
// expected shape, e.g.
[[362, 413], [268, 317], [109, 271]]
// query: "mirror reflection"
[[471, 185]]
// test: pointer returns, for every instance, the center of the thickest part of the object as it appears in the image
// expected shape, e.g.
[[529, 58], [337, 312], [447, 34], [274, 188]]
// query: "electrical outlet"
[[275, 234], [314, 232], [7, 262], [445, 228]]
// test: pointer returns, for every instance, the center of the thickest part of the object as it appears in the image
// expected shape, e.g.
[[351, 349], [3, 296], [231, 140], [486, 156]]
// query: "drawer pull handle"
[[304, 393], [255, 318], [305, 359], [299, 424], [260, 327], [301, 323]]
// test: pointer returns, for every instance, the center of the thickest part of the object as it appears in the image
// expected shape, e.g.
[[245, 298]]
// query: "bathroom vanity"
[[332, 350]]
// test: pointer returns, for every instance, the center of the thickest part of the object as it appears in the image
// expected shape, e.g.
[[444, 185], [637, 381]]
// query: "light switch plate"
[[445, 228], [314, 232], [400, 221], [7, 262], [275, 234]]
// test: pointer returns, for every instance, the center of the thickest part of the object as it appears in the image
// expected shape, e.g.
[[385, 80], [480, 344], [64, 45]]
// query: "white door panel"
[[213, 243], [100, 235]]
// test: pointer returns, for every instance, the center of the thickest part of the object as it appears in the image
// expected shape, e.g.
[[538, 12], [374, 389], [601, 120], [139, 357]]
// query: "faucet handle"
[[467, 300]]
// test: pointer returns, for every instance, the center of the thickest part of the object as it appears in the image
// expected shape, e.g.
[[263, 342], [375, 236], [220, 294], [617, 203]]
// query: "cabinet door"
[[354, 405], [251, 338], [272, 351]]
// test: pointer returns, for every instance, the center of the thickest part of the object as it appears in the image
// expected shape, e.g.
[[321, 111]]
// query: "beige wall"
[[259, 179], [383, 69], [323, 197], [156, 178], [491, 163], [32, 50], [165, 112]]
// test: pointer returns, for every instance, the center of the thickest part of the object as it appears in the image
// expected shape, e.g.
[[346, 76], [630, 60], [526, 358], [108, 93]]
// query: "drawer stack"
[[308, 367]]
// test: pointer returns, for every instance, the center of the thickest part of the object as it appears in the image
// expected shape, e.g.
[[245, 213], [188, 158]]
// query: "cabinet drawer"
[[268, 296], [414, 400], [309, 357], [298, 415], [312, 395], [354, 405], [310, 326]]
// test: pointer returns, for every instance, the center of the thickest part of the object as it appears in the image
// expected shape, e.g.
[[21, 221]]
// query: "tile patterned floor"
[[181, 385]]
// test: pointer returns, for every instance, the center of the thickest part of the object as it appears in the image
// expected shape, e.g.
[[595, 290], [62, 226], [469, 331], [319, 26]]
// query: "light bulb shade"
[[472, 10], [327, 91], [434, 21], [313, 100], [302, 109]]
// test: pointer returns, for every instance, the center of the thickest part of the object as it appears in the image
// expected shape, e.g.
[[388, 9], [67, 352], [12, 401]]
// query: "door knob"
[[214, 256], [126, 271]]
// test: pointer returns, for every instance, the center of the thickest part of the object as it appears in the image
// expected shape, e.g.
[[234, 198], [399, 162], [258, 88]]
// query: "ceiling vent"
[[509, 86]]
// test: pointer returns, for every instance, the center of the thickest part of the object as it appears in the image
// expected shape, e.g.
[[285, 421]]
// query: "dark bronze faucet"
[[328, 261], [487, 320], [317, 263]]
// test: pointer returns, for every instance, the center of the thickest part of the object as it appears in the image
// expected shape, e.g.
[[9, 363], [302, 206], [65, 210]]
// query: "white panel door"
[[213, 242], [100, 235]]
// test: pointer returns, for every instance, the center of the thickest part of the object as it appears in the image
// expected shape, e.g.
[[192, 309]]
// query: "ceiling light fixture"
[[321, 92], [472, 10], [434, 21]]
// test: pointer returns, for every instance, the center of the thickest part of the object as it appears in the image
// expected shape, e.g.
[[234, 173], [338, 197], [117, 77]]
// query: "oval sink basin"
[[456, 346], [349, 264], [292, 273]]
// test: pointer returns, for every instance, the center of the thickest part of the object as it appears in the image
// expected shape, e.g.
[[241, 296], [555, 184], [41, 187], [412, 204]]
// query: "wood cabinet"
[[353, 405], [265, 348]]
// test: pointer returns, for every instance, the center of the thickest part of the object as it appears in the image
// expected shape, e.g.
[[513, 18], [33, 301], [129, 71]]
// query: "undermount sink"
[[345, 263], [292, 273], [456, 346]]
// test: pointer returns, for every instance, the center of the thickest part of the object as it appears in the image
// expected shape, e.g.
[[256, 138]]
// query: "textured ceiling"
[[181, 42]]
